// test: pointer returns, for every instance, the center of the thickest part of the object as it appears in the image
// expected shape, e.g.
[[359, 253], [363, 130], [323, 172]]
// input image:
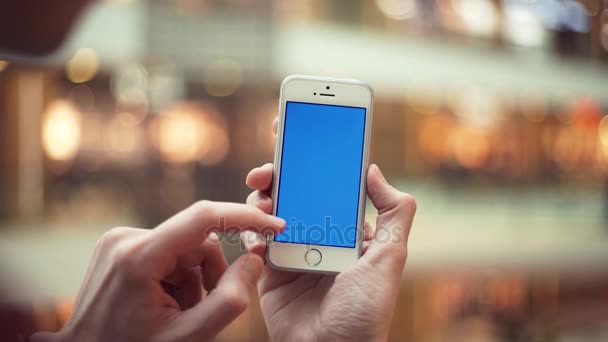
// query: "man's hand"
[[147, 285], [355, 305]]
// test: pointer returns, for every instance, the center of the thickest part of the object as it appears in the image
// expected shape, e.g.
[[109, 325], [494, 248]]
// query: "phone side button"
[[313, 257]]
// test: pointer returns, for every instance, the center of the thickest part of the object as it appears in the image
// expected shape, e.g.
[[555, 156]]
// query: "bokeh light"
[[217, 145], [166, 86], [129, 84], [586, 114], [469, 145], [133, 97], [129, 119], [179, 135], [83, 65], [61, 130], [123, 140], [432, 137], [191, 132], [223, 77], [522, 26], [475, 104], [603, 131], [479, 17], [398, 9]]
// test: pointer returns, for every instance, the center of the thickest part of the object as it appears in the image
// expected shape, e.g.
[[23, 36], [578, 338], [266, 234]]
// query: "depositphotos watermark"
[[326, 234]]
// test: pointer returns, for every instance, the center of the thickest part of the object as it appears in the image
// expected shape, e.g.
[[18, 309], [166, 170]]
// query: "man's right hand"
[[147, 285]]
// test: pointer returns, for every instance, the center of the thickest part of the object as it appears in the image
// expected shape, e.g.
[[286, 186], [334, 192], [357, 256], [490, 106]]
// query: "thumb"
[[225, 303], [396, 210]]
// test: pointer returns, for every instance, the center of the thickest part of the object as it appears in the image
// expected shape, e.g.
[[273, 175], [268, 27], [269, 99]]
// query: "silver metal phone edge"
[[364, 169]]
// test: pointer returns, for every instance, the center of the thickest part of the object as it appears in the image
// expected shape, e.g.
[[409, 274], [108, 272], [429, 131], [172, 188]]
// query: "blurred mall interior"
[[492, 113]]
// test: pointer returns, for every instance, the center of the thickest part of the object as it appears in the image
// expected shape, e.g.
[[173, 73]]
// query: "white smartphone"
[[320, 168]]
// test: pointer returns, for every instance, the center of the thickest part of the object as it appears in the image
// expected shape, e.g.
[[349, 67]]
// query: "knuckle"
[[123, 247], [204, 208], [258, 200], [407, 201], [123, 255], [234, 300], [112, 236], [252, 198], [126, 255]]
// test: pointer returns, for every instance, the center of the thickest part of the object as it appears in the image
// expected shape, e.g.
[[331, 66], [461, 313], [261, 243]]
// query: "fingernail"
[[279, 222], [251, 239], [214, 238], [381, 175]]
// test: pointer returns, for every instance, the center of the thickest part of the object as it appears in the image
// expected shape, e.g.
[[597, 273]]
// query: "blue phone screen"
[[321, 164]]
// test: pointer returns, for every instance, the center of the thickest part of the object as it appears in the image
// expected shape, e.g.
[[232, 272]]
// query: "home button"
[[313, 257]]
